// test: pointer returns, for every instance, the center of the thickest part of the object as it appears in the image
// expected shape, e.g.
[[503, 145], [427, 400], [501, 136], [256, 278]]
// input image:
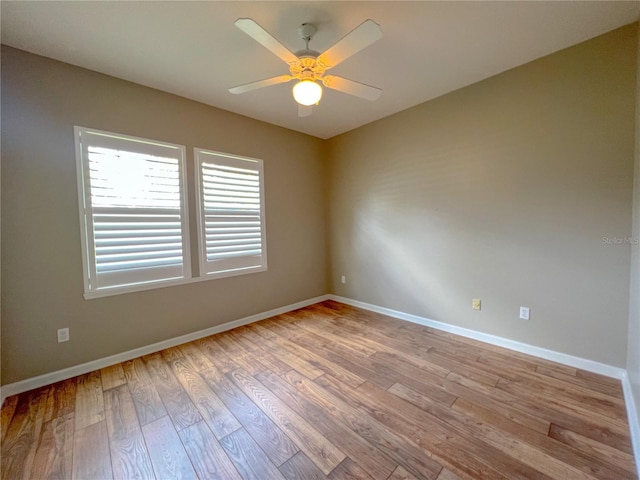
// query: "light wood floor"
[[328, 391]]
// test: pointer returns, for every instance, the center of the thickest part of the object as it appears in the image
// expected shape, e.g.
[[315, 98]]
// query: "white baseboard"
[[48, 378], [633, 418], [570, 360]]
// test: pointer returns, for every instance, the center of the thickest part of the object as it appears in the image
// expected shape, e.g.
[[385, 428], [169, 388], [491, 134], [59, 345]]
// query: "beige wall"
[[504, 191], [42, 278], [633, 353]]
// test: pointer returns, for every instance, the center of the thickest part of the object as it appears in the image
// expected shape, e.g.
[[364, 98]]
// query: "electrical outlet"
[[476, 304], [63, 335], [343, 279], [524, 313]]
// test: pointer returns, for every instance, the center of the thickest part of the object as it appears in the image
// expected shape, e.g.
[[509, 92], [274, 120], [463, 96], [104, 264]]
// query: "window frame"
[[198, 154], [85, 209]]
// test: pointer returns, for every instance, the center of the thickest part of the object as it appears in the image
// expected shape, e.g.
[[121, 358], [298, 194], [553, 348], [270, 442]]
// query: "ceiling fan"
[[309, 67]]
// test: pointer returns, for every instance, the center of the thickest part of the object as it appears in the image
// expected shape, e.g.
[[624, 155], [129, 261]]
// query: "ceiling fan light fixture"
[[307, 92]]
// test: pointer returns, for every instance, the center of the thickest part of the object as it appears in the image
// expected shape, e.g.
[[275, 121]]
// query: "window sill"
[[109, 292]]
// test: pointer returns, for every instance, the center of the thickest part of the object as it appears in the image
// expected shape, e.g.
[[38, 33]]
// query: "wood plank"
[[329, 423], [221, 421], [539, 442], [168, 457], [401, 474], [450, 342], [299, 467], [602, 432], [376, 321], [278, 346], [565, 404], [604, 404], [195, 356], [171, 353], [112, 376], [302, 324], [456, 365], [595, 377], [91, 457], [354, 345], [318, 364], [248, 458], [456, 451], [207, 455], [398, 368], [435, 391], [342, 308], [89, 400], [179, 406], [282, 325], [243, 336], [322, 452], [566, 369], [361, 366], [62, 401], [612, 390], [535, 423], [129, 456], [374, 432], [425, 338], [238, 355], [412, 374], [337, 333], [596, 450], [19, 447], [149, 406], [6, 414], [349, 470], [385, 345], [53, 459], [505, 440], [216, 354], [448, 475], [506, 366], [277, 446], [503, 355]]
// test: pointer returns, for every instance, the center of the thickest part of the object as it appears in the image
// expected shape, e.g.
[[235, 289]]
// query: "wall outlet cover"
[[476, 304], [63, 335]]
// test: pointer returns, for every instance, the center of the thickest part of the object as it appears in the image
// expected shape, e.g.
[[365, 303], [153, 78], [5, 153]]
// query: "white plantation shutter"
[[132, 210], [231, 214]]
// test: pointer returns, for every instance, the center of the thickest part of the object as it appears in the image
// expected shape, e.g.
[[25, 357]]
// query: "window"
[[231, 223], [133, 212]]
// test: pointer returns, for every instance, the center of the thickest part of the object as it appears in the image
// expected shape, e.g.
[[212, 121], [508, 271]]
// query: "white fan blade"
[[363, 36], [352, 88], [265, 39], [305, 110], [260, 84]]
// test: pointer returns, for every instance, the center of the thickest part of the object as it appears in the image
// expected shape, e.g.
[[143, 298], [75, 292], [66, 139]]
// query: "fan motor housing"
[[307, 67]]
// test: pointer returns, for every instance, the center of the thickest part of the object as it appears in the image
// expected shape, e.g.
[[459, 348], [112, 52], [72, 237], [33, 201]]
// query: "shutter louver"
[[134, 211], [232, 219]]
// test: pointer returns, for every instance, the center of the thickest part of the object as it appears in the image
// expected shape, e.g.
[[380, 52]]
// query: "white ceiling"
[[193, 49]]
